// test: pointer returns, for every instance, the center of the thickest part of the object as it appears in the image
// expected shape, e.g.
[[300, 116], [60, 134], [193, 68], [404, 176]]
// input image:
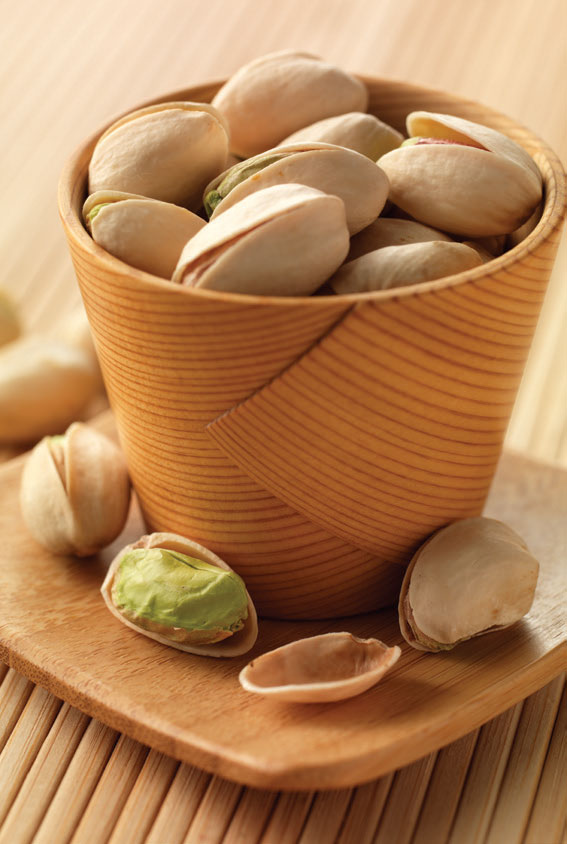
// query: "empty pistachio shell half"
[[360, 183], [399, 266], [282, 241], [146, 233], [462, 177], [273, 96], [333, 666], [44, 385], [356, 130], [389, 231], [75, 492], [168, 151], [9, 321], [181, 594], [469, 578]]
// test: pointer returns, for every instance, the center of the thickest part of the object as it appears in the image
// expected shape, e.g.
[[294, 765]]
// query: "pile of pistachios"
[[285, 186]]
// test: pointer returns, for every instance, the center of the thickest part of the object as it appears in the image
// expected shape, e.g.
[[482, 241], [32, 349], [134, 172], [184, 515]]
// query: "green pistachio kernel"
[[237, 174], [171, 590], [95, 209]]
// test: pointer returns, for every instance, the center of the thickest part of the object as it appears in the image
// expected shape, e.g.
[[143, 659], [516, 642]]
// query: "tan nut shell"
[[168, 151], [473, 191], [389, 231], [282, 241], [234, 645], [44, 385], [333, 666], [360, 183], [277, 94], [399, 266], [145, 233], [469, 578], [75, 492], [356, 130], [9, 321]]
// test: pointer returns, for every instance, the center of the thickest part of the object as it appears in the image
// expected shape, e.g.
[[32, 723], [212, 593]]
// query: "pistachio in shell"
[[356, 130], [45, 384], [359, 182], [400, 266], [461, 177], [284, 240], [277, 94], [168, 151], [319, 669], [75, 491], [389, 231], [472, 577], [179, 593], [145, 233]]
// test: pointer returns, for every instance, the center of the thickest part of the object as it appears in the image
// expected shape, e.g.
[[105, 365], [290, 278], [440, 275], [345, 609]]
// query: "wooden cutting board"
[[55, 629]]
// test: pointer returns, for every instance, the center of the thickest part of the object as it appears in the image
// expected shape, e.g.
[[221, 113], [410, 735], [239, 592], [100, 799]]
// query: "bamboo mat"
[[67, 67]]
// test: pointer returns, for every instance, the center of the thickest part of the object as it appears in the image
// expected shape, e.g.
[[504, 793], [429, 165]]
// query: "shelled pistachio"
[[179, 593], [285, 240], [279, 93], [471, 577], [75, 491], [146, 233], [359, 182], [168, 151]]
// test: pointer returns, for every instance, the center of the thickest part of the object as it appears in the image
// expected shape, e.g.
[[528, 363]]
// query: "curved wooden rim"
[[71, 195]]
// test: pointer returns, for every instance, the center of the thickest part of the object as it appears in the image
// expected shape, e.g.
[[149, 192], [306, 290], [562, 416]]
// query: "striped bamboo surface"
[[66, 68]]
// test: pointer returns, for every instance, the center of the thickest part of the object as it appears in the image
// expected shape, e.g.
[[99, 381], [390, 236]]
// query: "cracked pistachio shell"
[[389, 231], [469, 578], [146, 233], [10, 327], [277, 94], [75, 492], [285, 240], [400, 266], [361, 132], [168, 152], [333, 666], [44, 385], [359, 182], [480, 184], [179, 593]]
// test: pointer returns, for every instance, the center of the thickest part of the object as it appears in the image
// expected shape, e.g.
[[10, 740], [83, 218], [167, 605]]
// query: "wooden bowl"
[[314, 443]]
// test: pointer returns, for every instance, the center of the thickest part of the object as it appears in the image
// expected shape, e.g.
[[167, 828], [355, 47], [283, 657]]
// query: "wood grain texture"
[[135, 684], [383, 416]]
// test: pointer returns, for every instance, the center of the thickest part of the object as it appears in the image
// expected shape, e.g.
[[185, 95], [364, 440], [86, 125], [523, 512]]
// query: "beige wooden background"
[[66, 67]]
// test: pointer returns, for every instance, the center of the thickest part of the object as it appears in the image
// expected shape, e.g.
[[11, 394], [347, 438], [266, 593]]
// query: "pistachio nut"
[[389, 231], [273, 96], [282, 241], [10, 328], [333, 666], [462, 177], [181, 594], [360, 183], [168, 151], [146, 233], [516, 237], [75, 331], [75, 491], [45, 384], [356, 130], [400, 266], [469, 578]]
